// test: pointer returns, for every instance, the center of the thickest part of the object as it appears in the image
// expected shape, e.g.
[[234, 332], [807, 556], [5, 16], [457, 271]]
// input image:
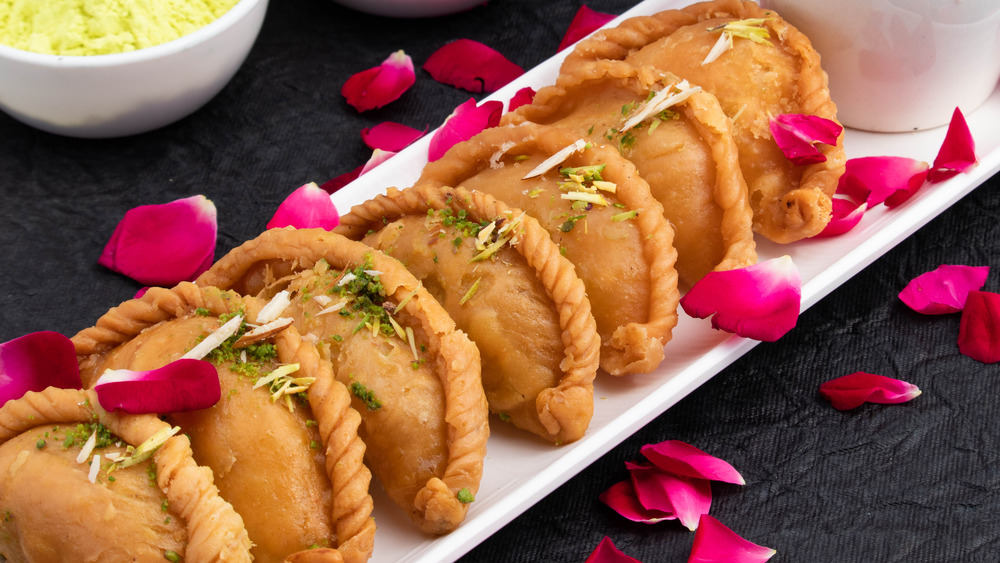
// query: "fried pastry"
[[282, 441], [613, 230], [685, 151], [753, 81], [415, 378], [57, 508], [503, 280]]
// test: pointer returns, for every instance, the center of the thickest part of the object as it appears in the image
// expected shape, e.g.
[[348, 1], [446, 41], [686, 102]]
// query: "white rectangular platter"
[[520, 470]]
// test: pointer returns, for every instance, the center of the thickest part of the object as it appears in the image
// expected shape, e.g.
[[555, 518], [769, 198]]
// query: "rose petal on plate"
[[308, 207], [761, 301], [164, 244], [585, 22], [378, 157], [849, 205], [472, 66], [465, 122], [606, 552], [622, 499], [686, 497], [797, 135], [520, 98], [716, 543], [390, 136], [846, 215], [377, 86], [332, 185], [889, 179], [957, 153], [852, 391], [36, 361], [944, 289], [681, 458], [979, 331], [181, 385]]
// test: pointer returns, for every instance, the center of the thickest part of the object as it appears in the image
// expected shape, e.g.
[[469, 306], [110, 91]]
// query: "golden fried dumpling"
[[503, 280], [415, 378], [613, 230], [685, 152], [753, 82], [278, 452], [56, 508]]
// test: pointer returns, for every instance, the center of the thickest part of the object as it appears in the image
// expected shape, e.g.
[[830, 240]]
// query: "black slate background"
[[917, 482]]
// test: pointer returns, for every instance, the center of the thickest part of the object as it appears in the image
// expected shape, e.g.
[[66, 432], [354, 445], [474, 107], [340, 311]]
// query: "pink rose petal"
[[181, 385], [332, 185], [943, 290], [685, 497], [164, 244], [852, 391], [797, 135], [378, 157], [464, 123], [377, 86], [606, 552], [680, 458], [979, 331], [472, 66], [761, 301], [621, 498], [716, 543], [584, 23], [522, 97], [889, 179], [36, 361], [389, 136], [849, 205], [308, 207], [957, 153]]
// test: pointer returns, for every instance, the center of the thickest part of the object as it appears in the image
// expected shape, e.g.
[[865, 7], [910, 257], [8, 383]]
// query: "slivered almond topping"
[[215, 339], [263, 332], [274, 308], [556, 159]]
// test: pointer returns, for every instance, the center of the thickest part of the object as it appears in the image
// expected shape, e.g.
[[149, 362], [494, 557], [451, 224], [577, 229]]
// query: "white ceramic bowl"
[[128, 93], [902, 65], [410, 8]]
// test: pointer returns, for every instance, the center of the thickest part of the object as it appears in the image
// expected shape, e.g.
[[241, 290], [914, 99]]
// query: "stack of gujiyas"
[[517, 267]]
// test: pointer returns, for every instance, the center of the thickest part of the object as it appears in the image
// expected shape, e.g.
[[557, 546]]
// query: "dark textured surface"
[[916, 482]]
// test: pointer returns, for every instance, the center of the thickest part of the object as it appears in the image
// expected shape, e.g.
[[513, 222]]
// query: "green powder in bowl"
[[102, 27]]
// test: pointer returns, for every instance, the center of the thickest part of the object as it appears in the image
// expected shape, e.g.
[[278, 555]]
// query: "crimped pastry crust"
[[279, 252], [631, 282], [329, 400], [562, 412], [789, 202], [215, 531], [690, 160]]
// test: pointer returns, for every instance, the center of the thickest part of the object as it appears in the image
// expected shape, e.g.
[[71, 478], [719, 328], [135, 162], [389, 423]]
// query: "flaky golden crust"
[[631, 281], [789, 202], [690, 161], [436, 508], [329, 399], [562, 412], [215, 530]]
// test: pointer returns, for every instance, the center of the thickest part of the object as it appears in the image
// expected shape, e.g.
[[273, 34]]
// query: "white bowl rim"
[[220, 24]]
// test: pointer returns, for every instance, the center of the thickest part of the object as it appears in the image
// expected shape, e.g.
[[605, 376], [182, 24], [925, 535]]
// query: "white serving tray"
[[520, 470]]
